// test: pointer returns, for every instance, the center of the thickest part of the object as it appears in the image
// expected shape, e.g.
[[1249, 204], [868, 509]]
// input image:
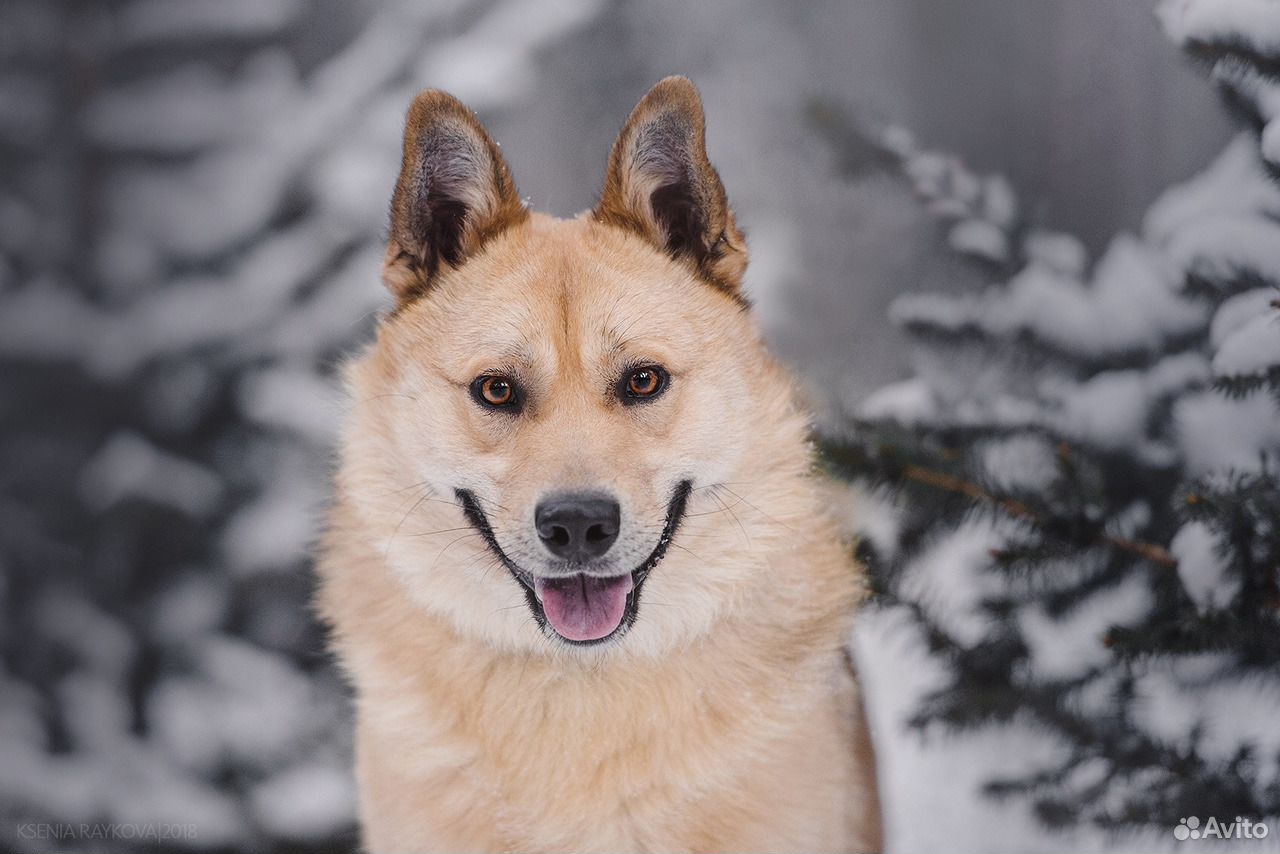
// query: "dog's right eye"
[[496, 392]]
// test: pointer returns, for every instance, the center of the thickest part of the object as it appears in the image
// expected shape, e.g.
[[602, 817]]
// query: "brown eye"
[[495, 392], [643, 384]]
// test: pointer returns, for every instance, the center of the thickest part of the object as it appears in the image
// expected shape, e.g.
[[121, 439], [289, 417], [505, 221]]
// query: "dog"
[[578, 566]]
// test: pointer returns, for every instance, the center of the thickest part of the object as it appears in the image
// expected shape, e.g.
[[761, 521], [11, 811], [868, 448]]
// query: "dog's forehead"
[[570, 290]]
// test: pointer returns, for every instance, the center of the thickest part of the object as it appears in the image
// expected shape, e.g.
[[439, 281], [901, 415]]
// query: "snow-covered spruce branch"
[[1039, 581]]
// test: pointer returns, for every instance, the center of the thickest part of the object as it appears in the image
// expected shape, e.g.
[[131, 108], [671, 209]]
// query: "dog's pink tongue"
[[582, 608]]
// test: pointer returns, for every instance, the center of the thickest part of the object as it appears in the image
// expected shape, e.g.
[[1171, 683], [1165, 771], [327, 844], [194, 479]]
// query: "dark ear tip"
[[431, 106], [433, 112], [676, 84], [430, 101], [673, 93]]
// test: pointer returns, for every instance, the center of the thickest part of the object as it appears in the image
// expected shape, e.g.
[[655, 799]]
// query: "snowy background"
[[192, 204]]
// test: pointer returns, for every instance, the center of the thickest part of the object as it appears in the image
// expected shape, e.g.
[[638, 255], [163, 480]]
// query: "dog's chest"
[[573, 763]]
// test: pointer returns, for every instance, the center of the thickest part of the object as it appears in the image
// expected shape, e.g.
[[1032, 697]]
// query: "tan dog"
[[577, 566]]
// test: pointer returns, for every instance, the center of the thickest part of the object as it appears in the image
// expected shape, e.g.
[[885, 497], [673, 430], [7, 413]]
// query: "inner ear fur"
[[454, 193], [660, 185]]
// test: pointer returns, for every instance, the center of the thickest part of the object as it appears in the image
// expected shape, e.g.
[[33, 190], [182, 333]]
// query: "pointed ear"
[[454, 193], [661, 185]]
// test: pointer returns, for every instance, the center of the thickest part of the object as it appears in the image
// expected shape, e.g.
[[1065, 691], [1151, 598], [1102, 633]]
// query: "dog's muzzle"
[[581, 608]]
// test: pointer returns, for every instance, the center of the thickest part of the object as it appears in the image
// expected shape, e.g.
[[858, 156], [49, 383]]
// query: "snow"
[[1019, 462], [180, 393], [128, 466], [950, 579], [1131, 304], [245, 705], [194, 605], [1112, 408], [309, 801], [1271, 141], [1108, 409], [1235, 183], [999, 203], [112, 777], [1129, 368], [944, 178], [348, 301], [193, 107], [20, 719], [96, 713], [63, 788], [1057, 251], [931, 783], [1217, 433], [493, 63], [908, 402], [1233, 711], [47, 321], [984, 208], [1262, 91], [1130, 520], [1227, 245], [142, 21], [93, 637], [276, 529], [231, 193], [981, 238], [292, 398], [868, 514], [340, 183], [1254, 22], [190, 313], [1202, 566], [1066, 646], [202, 310], [142, 788], [281, 123], [1240, 310], [1251, 349]]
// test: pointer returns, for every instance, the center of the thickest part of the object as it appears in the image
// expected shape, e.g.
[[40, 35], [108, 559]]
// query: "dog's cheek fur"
[[395, 488]]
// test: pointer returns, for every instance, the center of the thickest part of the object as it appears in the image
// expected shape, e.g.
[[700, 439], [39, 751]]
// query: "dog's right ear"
[[454, 193]]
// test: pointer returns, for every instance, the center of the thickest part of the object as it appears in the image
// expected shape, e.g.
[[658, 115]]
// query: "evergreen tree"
[[191, 221], [1085, 468]]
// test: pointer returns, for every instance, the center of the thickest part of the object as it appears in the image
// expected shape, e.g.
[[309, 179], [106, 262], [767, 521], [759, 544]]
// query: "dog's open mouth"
[[581, 608]]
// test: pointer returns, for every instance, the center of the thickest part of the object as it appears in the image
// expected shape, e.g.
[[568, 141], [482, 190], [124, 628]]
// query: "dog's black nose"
[[577, 527]]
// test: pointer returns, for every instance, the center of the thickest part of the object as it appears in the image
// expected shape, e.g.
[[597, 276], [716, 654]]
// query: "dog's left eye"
[[644, 383]]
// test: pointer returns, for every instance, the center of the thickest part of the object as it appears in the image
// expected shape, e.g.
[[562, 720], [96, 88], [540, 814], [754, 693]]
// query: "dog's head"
[[567, 420]]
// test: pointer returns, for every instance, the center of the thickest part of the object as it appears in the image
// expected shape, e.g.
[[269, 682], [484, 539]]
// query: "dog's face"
[[565, 399]]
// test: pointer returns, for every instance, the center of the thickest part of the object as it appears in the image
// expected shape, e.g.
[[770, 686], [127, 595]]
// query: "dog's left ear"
[[661, 185]]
